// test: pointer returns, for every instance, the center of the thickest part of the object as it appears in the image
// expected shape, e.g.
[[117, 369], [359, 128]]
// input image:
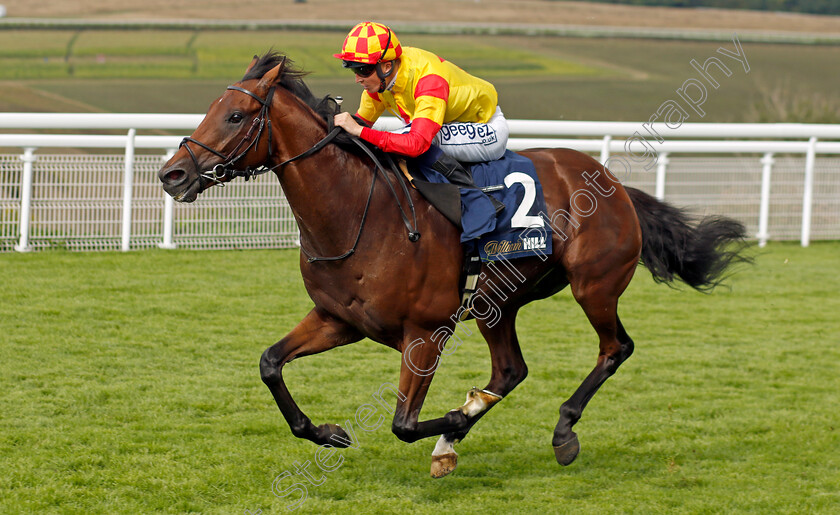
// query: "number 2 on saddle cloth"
[[517, 231]]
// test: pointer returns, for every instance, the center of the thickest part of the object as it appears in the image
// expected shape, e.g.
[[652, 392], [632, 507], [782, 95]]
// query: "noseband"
[[226, 171]]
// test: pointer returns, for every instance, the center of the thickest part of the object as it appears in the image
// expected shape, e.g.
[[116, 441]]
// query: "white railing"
[[639, 149]]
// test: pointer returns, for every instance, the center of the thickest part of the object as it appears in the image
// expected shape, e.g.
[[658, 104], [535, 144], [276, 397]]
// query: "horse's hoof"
[[333, 434], [444, 464], [567, 451]]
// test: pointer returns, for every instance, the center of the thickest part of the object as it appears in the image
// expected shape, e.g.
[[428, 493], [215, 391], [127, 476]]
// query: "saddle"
[[443, 196], [512, 182]]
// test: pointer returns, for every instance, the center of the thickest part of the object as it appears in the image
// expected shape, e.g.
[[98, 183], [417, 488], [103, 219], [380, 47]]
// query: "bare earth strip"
[[540, 12]]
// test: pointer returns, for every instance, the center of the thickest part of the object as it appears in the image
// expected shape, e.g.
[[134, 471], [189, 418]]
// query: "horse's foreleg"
[[420, 359], [508, 370], [316, 333]]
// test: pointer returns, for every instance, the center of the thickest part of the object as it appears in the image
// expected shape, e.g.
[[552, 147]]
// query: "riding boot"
[[456, 174]]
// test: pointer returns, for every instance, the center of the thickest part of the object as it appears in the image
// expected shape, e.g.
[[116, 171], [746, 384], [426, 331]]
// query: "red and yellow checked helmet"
[[370, 43]]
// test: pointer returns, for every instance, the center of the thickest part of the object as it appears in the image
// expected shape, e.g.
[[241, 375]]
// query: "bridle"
[[226, 171]]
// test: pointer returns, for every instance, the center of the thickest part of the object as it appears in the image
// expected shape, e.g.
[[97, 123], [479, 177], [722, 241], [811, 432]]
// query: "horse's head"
[[234, 137]]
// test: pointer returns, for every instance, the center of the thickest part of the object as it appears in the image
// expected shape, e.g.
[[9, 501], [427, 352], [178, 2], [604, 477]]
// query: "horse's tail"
[[672, 245]]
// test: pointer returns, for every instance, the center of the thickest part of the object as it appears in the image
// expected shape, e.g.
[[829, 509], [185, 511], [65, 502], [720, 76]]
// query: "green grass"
[[537, 77], [130, 385], [224, 54]]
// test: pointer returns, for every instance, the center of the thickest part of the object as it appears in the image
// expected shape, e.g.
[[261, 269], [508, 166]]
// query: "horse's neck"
[[327, 192]]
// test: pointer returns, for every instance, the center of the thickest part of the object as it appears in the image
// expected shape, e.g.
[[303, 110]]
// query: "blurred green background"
[[539, 77]]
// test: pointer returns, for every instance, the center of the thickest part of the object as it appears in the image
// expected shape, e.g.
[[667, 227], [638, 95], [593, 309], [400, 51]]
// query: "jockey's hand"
[[346, 122]]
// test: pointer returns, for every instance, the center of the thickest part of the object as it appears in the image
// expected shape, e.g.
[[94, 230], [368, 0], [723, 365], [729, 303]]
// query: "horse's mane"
[[292, 80]]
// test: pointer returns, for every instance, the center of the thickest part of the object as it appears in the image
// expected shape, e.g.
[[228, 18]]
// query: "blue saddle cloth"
[[518, 231]]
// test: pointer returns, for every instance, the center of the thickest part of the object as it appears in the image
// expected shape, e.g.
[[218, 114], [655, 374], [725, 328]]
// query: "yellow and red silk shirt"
[[427, 93]]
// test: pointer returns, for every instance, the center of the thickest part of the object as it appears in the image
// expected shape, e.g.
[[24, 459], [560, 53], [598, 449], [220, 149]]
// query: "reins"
[[413, 235], [226, 170]]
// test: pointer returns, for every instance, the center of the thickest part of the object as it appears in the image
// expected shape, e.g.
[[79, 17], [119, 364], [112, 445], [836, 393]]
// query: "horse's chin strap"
[[383, 84]]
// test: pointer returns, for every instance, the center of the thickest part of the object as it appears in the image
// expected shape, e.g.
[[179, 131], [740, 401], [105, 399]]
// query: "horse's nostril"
[[174, 176]]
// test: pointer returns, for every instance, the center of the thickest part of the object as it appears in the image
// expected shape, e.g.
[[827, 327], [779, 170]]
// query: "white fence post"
[[660, 175], [808, 195], [128, 186], [168, 212], [764, 206], [28, 158], [605, 149], [595, 138]]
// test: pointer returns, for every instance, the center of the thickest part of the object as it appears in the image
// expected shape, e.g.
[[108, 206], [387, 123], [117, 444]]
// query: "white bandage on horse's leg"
[[478, 401], [443, 446], [444, 457]]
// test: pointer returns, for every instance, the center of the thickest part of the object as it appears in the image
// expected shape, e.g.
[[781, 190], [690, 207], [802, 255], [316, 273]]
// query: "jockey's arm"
[[427, 119], [413, 143]]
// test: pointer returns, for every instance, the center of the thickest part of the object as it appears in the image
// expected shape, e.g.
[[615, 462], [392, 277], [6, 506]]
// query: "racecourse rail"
[[781, 180]]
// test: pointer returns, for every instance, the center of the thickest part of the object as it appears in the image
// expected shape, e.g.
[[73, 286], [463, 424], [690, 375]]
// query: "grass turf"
[[536, 77], [130, 384]]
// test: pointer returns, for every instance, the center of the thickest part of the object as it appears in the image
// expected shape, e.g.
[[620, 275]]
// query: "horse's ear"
[[253, 63], [273, 75]]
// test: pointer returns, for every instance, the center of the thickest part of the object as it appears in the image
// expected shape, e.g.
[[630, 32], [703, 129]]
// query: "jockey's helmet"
[[369, 43]]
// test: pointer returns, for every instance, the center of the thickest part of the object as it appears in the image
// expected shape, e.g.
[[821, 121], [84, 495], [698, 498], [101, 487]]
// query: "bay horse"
[[403, 291]]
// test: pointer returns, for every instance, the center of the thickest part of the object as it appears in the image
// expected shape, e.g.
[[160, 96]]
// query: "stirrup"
[[472, 266]]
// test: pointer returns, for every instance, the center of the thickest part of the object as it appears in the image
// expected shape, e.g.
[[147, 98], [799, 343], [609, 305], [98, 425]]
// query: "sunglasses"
[[365, 70]]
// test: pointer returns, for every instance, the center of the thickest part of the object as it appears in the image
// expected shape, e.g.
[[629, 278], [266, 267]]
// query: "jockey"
[[450, 116]]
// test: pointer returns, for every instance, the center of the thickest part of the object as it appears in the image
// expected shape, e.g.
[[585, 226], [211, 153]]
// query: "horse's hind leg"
[[508, 370], [600, 302]]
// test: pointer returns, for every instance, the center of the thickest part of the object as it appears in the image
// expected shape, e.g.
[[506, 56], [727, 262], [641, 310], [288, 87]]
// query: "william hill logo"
[[507, 247], [533, 243]]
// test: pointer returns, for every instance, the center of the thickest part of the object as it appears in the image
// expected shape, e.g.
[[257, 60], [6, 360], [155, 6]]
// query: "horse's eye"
[[235, 118]]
